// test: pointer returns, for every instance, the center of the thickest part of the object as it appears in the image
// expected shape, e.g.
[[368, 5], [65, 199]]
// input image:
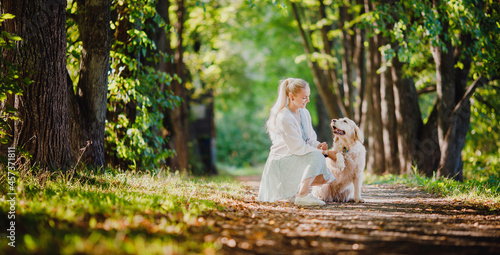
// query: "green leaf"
[[6, 16]]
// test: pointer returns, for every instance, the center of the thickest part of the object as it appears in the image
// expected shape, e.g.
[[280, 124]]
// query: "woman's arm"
[[292, 135], [313, 138]]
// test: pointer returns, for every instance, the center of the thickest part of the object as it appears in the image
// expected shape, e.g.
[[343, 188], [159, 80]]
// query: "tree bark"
[[387, 108], [446, 93], [451, 149], [389, 124], [323, 129], [93, 20], [346, 64], [329, 72], [408, 117], [162, 40], [428, 151], [43, 130], [179, 115], [359, 61], [376, 159]]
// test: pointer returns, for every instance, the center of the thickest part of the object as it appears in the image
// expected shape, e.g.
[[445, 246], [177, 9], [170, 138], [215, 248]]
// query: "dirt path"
[[394, 220]]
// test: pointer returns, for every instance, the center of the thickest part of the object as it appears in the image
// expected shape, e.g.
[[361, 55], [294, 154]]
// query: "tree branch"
[[301, 29], [426, 90], [479, 82]]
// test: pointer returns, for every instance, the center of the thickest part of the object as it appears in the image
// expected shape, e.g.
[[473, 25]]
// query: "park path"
[[394, 220]]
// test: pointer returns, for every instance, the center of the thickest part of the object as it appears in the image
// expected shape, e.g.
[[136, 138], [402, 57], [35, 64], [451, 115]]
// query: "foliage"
[[117, 213], [136, 105], [240, 144], [484, 133], [11, 82], [135, 81]]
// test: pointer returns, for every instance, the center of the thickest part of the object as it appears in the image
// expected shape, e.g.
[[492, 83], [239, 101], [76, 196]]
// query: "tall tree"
[[408, 117], [88, 104], [43, 130], [387, 107], [445, 83], [179, 115], [374, 124]]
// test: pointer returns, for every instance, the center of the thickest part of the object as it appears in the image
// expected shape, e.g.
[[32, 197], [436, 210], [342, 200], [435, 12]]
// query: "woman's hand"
[[323, 146]]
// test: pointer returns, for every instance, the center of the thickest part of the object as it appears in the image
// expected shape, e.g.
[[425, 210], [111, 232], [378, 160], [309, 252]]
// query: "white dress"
[[294, 157]]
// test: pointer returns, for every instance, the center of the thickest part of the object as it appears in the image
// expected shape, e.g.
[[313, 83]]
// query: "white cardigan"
[[288, 140]]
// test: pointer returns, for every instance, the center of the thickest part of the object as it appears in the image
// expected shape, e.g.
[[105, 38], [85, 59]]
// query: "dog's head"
[[346, 130]]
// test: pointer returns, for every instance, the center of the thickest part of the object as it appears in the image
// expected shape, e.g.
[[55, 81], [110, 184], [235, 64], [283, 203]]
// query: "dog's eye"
[[345, 121]]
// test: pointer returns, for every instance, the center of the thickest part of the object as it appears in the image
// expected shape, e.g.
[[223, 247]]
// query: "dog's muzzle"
[[336, 130]]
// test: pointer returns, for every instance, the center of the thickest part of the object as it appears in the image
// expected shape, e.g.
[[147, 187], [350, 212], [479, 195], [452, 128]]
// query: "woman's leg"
[[319, 180], [306, 184]]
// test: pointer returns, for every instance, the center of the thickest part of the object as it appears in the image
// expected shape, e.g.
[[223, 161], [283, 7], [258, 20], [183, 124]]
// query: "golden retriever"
[[349, 167]]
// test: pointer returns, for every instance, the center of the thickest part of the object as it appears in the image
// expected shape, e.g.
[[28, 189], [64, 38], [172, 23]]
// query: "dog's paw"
[[359, 200], [340, 161]]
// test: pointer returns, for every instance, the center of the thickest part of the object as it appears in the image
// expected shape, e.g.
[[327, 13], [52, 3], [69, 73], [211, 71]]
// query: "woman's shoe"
[[308, 199]]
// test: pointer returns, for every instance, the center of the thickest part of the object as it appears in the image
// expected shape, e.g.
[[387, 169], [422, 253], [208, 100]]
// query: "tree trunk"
[[93, 22], [162, 41], [451, 164], [446, 93], [445, 85], [428, 150], [408, 117], [375, 158], [451, 157], [323, 130], [179, 115], [329, 71], [387, 108], [359, 61], [346, 64], [43, 128]]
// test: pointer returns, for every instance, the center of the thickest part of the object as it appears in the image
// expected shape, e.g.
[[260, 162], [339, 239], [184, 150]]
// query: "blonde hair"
[[287, 86]]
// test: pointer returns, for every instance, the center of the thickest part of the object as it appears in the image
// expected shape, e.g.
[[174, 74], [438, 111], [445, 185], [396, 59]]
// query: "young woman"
[[297, 160]]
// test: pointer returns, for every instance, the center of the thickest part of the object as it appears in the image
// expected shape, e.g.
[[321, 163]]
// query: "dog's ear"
[[358, 134]]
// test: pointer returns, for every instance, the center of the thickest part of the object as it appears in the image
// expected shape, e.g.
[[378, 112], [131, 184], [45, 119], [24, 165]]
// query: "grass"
[[481, 185], [115, 213]]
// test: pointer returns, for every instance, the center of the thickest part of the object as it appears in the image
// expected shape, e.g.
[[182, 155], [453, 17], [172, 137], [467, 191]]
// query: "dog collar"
[[345, 150]]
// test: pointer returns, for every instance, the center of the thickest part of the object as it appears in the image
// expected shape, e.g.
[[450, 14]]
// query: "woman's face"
[[301, 98]]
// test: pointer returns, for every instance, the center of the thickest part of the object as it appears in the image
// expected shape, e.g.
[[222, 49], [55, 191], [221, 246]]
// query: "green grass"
[[481, 185], [115, 213]]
